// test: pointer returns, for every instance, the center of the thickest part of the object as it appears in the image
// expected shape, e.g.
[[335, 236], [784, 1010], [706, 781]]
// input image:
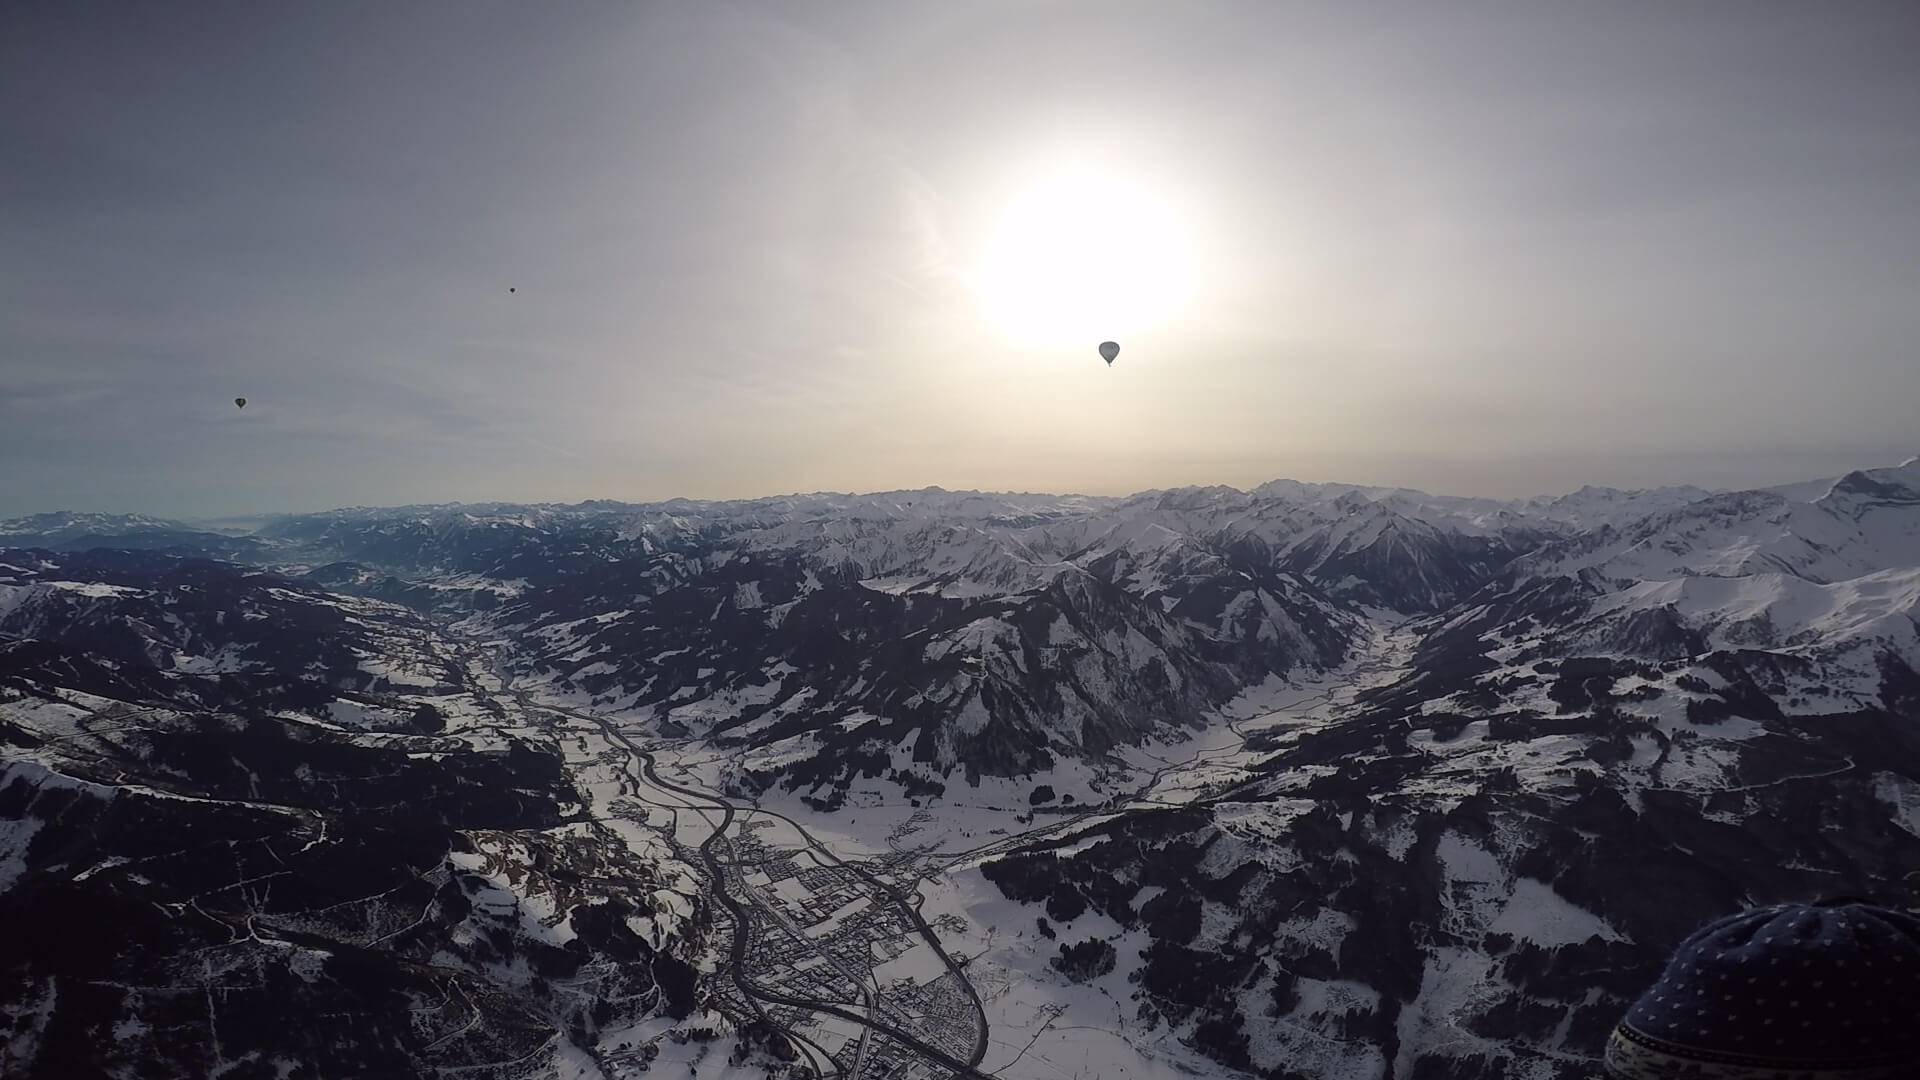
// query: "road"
[[742, 933], [643, 769], [749, 911]]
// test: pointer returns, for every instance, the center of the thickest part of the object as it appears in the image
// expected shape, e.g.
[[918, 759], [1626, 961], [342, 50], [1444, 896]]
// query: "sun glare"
[[1082, 258]]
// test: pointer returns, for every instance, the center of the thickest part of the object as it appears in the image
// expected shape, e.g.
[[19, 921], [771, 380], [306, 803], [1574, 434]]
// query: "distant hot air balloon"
[[512, 289], [1109, 350], [240, 401]]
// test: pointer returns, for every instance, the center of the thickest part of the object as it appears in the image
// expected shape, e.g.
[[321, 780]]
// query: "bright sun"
[[1084, 258]]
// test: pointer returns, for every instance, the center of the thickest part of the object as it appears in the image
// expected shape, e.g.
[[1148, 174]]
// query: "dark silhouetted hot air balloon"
[[240, 401], [1109, 350], [512, 289]]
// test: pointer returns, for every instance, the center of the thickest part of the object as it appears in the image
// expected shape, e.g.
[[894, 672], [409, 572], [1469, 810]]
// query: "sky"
[[1494, 249]]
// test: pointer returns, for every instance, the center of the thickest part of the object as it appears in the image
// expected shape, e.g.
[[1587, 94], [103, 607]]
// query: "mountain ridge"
[[1307, 780]]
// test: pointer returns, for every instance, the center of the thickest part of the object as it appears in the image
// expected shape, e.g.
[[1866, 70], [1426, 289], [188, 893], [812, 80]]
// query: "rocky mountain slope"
[[1474, 868], [251, 828], [66, 531]]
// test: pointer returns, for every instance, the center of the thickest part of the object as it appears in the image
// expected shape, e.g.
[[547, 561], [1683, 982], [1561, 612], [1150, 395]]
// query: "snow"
[[15, 835], [919, 964], [53, 719], [1821, 535], [1042, 1026], [400, 671], [1311, 1039], [1478, 882], [225, 660], [1265, 820], [39, 773], [1814, 567], [1398, 838], [1902, 797], [1536, 913], [1325, 930], [1450, 982], [703, 1045], [1880, 605], [499, 897], [94, 589]]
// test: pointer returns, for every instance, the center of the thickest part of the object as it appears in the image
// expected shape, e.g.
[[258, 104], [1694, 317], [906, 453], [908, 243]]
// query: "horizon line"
[[936, 488]]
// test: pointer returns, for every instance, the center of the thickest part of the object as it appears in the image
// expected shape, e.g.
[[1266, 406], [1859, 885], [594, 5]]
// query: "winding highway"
[[742, 912], [742, 927], [641, 770]]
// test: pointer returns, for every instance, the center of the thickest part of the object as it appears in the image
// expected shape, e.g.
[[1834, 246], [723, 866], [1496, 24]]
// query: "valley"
[[869, 989], [1309, 781]]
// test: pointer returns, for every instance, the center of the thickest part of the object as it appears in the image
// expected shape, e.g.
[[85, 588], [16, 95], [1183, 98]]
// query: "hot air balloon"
[[240, 401], [1109, 350], [512, 289]]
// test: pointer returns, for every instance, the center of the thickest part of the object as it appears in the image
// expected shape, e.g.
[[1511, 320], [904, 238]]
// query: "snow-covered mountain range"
[[1310, 780]]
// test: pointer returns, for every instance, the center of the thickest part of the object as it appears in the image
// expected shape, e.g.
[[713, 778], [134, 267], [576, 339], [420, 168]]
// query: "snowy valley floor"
[[879, 910]]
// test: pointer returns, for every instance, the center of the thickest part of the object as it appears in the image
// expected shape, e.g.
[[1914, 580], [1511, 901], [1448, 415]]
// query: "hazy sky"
[[1482, 248]]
